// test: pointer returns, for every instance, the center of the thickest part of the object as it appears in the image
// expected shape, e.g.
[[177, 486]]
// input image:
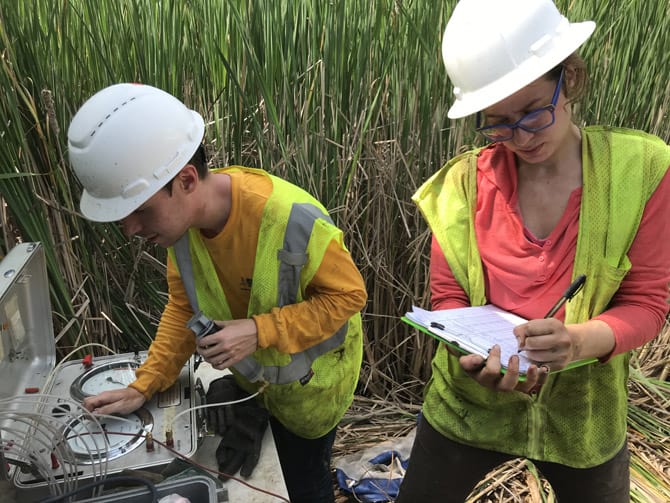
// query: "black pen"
[[569, 293]]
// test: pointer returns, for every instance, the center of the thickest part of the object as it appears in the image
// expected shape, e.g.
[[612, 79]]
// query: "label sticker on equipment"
[[171, 396]]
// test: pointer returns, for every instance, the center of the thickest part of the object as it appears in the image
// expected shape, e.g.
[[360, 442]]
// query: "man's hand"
[[488, 372], [236, 340], [118, 401]]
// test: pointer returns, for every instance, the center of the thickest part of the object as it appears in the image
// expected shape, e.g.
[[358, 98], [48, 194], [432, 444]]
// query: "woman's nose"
[[521, 137]]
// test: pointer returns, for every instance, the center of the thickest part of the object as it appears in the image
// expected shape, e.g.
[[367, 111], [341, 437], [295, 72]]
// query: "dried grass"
[[371, 421]]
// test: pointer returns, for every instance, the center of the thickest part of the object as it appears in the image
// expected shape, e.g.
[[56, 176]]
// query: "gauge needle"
[[111, 379], [104, 431]]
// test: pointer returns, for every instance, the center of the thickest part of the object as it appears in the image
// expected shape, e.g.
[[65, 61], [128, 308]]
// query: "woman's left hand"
[[489, 374]]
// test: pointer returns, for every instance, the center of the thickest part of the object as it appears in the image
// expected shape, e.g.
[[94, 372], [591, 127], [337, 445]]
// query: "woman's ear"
[[569, 80]]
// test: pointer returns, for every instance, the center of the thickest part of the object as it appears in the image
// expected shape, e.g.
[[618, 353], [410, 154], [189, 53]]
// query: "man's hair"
[[199, 160]]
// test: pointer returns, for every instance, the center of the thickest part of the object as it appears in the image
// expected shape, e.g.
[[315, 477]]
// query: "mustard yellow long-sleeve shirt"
[[336, 292]]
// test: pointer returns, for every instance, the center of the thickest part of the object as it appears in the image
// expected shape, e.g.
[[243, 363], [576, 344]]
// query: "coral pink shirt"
[[526, 275]]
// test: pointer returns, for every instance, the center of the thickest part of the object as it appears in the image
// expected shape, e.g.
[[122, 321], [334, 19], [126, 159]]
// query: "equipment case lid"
[[27, 346]]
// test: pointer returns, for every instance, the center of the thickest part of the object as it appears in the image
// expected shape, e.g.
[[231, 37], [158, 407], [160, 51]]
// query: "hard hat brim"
[[527, 72], [111, 209]]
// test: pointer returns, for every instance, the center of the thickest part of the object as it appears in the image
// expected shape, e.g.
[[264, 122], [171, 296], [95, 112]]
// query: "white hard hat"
[[126, 143], [491, 49]]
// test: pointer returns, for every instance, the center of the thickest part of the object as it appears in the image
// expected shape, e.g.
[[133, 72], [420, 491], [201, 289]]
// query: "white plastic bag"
[[374, 475]]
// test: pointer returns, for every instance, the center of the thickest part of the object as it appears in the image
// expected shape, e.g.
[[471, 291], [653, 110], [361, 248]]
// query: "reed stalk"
[[345, 98]]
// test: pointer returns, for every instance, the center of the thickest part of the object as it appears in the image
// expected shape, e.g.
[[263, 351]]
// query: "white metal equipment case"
[[49, 444]]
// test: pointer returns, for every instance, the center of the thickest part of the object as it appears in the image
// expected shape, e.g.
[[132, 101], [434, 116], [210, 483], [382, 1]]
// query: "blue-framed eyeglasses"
[[533, 121]]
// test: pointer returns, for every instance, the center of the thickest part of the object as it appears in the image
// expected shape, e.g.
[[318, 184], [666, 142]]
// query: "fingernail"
[[544, 369]]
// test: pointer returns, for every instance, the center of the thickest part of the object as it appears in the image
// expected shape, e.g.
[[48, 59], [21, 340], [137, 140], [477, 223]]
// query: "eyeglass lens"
[[532, 122]]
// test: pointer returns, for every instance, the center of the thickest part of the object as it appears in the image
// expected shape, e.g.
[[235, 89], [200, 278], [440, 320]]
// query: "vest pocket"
[[602, 282]]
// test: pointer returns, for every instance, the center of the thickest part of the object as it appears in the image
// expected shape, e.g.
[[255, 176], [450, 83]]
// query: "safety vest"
[[308, 392], [579, 417]]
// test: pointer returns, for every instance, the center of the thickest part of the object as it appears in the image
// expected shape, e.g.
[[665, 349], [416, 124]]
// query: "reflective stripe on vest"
[[292, 257]]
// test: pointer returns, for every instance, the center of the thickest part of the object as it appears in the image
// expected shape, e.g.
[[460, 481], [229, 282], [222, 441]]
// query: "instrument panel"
[[86, 447], [49, 443]]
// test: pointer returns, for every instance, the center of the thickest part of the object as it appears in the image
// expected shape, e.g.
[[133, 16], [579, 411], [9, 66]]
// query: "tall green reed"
[[347, 99]]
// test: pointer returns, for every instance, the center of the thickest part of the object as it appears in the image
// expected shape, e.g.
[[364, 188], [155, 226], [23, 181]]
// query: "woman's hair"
[[574, 87]]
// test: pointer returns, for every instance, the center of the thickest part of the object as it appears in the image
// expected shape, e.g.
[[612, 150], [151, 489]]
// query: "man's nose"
[[131, 225]]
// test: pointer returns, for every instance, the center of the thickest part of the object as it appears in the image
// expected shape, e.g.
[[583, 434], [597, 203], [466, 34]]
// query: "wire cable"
[[25, 459], [178, 454], [217, 472], [47, 431], [64, 413], [208, 405], [63, 360], [33, 449]]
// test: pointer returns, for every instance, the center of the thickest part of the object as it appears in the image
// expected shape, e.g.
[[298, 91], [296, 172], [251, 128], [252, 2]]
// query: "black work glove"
[[241, 427], [222, 390]]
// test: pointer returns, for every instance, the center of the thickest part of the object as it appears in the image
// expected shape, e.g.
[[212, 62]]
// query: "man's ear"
[[187, 178]]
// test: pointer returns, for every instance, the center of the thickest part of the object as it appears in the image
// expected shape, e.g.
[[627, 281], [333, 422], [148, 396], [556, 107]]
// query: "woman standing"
[[514, 223]]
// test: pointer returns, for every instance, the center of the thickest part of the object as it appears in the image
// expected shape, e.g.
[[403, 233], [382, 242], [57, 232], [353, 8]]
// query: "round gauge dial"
[[109, 438], [105, 377]]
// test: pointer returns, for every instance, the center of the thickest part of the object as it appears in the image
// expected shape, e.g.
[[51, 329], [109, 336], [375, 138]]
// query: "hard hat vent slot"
[[134, 188], [542, 46], [107, 117]]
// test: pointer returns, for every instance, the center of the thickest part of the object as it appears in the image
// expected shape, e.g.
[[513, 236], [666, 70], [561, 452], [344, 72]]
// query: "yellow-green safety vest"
[[308, 392], [579, 417]]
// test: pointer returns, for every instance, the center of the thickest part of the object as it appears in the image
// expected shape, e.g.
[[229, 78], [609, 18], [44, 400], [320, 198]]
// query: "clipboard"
[[475, 330]]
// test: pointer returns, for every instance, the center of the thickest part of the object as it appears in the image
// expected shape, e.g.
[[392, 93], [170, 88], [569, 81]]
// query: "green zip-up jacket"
[[579, 417]]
